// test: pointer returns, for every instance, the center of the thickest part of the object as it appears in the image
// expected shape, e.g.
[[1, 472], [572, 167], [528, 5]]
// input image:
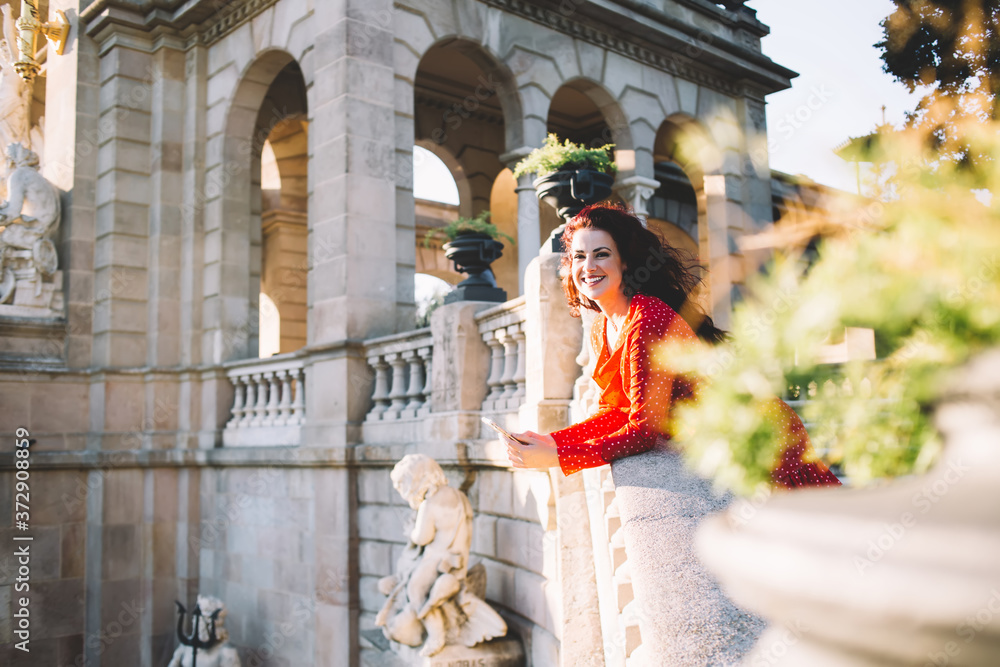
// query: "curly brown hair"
[[650, 266]]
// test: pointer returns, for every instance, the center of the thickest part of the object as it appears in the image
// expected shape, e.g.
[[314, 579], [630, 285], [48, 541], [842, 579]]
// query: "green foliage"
[[478, 225], [553, 156], [925, 275]]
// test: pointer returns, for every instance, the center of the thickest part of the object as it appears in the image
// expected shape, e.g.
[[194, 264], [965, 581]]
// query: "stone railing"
[[618, 607], [402, 366], [678, 607], [502, 329], [268, 401]]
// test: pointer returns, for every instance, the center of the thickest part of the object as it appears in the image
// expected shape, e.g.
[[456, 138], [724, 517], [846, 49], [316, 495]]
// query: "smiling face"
[[597, 266]]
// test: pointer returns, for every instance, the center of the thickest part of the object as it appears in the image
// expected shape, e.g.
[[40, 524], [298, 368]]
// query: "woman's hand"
[[540, 452]]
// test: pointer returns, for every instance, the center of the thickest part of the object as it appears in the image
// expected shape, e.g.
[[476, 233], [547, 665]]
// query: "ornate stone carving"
[[636, 192], [222, 654], [29, 220], [434, 600]]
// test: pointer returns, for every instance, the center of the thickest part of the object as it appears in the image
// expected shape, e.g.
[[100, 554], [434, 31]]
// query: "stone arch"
[[616, 124], [683, 150], [270, 92]]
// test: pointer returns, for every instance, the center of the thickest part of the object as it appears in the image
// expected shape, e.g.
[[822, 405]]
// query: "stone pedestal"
[[505, 652]]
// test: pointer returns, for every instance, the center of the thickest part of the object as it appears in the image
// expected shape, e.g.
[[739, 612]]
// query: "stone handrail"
[[402, 366], [618, 608], [679, 608], [502, 329], [268, 402]]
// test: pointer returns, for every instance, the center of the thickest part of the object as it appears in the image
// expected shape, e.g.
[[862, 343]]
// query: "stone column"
[[123, 206], [724, 212], [553, 338], [166, 194], [636, 192], [528, 229], [355, 276]]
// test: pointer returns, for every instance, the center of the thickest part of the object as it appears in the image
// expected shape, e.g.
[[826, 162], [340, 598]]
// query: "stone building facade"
[[212, 152]]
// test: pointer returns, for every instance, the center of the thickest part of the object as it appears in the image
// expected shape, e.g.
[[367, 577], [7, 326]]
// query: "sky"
[[838, 94], [840, 89]]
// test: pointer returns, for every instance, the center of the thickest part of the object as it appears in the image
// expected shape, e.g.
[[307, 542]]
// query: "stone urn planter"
[[569, 191], [903, 574], [472, 253]]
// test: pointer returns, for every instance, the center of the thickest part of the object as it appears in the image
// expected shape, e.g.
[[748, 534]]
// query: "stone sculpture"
[[30, 217], [433, 592], [222, 654]]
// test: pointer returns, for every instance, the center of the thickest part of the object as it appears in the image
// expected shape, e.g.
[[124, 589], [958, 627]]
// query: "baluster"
[[238, 399], [427, 354], [509, 366], [415, 391], [496, 371], [519, 372], [398, 392], [285, 405], [260, 408], [273, 394], [251, 400], [380, 394], [299, 404]]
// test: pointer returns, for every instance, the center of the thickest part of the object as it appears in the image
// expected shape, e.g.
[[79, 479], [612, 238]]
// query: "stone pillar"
[[528, 229], [636, 191], [166, 194], [193, 206], [553, 338], [459, 372], [724, 212], [356, 276], [756, 171], [123, 206]]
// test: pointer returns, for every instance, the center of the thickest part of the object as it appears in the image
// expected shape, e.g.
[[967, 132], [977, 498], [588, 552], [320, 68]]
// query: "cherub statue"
[[433, 590], [222, 654], [30, 218]]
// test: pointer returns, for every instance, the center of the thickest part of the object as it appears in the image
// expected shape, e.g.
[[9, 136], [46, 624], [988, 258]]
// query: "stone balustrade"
[[402, 366], [268, 402], [618, 607], [503, 330]]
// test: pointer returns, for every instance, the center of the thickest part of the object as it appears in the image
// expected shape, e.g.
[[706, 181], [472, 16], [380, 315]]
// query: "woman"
[[639, 284]]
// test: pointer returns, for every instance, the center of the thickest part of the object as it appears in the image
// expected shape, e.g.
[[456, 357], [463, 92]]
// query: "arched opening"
[[677, 210], [585, 113], [459, 115], [436, 199], [280, 194]]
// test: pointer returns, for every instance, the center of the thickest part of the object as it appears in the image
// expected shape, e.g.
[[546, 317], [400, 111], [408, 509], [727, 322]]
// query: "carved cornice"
[[742, 64], [200, 21]]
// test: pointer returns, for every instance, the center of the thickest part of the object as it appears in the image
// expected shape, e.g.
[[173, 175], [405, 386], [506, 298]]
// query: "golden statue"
[[29, 27]]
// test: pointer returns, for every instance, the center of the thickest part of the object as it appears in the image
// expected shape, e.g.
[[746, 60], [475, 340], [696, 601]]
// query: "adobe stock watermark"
[[967, 630], [99, 643], [777, 649], [923, 502]]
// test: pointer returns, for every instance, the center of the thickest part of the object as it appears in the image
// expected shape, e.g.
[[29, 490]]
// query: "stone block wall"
[[257, 553]]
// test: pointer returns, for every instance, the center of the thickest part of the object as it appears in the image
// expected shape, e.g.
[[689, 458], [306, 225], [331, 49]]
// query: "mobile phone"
[[499, 429]]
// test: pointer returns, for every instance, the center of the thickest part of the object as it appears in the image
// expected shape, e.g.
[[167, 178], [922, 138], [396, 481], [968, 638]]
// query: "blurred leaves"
[[923, 272]]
